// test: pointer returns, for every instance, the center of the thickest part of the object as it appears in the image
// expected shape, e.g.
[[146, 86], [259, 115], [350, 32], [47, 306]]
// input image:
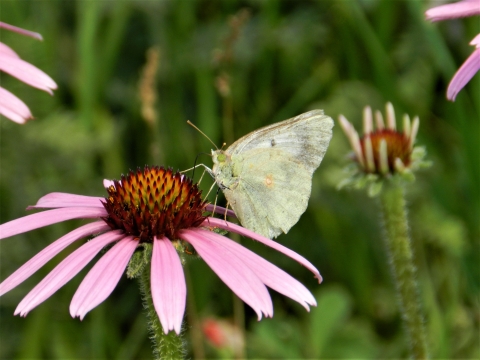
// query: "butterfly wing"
[[266, 175], [305, 137], [272, 190]]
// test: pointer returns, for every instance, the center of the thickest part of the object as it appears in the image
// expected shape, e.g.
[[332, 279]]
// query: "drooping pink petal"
[[102, 278], [13, 108], [266, 241], [463, 75], [169, 290], [220, 210], [36, 262], [7, 51], [233, 272], [20, 31], [49, 217], [61, 200], [65, 271], [27, 73], [269, 274], [454, 10]]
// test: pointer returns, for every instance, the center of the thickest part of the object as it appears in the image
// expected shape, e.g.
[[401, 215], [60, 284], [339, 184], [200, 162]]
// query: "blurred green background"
[[130, 73]]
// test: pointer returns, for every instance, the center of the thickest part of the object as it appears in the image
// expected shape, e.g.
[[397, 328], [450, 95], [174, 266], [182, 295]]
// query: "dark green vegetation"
[[277, 60]]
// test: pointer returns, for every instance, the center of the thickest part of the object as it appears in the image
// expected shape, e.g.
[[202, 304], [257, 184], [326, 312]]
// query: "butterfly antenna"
[[201, 132], [195, 165]]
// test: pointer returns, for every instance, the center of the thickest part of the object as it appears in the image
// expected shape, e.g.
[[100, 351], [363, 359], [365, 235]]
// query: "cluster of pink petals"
[[246, 273], [10, 105], [472, 65]]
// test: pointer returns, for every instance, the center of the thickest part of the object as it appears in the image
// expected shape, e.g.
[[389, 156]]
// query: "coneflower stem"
[[165, 346], [403, 269]]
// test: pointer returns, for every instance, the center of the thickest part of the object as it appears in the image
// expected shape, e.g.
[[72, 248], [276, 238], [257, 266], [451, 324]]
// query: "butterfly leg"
[[207, 169]]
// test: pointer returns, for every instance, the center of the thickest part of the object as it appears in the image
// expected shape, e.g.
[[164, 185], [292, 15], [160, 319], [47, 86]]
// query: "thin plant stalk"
[[165, 346], [402, 266], [196, 337]]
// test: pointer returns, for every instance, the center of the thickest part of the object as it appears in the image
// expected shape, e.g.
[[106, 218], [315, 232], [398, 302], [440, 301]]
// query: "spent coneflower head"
[[10, 105], [162, 211], [382, 152]]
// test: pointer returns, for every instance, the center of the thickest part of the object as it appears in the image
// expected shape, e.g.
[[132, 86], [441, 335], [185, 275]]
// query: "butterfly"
[[266, 176]]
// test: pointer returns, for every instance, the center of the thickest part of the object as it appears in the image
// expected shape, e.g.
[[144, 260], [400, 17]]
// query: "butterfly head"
[[220, 158]]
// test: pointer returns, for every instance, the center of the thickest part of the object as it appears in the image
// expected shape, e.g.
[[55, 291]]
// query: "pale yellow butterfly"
[[266, 176]]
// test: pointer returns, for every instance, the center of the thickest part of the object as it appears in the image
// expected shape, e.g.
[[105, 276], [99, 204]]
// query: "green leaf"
[[332, 311]]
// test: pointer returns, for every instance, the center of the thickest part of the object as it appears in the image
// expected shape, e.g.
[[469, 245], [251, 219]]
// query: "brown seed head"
[[154, 202], [398, 146]]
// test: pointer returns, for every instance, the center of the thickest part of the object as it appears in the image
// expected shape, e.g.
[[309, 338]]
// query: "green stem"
[[87, 86], [401, 263], [165, 346]]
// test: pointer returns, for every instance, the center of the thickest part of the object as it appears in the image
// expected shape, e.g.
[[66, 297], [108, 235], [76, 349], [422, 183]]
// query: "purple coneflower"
[[471, 66], [10, 105], [151, 206]]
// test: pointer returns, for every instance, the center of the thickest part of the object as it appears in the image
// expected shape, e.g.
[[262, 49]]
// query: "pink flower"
[[10, 105], [223, 334], [163, 209], [471, 66]]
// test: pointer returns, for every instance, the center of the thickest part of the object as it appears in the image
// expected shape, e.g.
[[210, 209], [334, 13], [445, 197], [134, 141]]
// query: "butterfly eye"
[[221, 157]]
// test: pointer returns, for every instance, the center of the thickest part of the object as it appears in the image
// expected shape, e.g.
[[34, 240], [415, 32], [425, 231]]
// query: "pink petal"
[[455, 10], [220, 210], [65, 271], [7, 51], [13, 108], [107, 183], [102, 278], [27, 73], [266, 241], [35, 263], [169, 290], [464, 75], [20, 31], [61, 200], [233, 272], [44, 218], [269, 274], [476, 41]]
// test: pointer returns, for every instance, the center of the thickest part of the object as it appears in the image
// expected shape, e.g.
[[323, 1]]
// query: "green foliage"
[[333, 310], [288, 57]]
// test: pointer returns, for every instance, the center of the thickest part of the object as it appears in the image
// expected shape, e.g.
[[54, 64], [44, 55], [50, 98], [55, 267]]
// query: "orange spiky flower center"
[[154, 202], [398, 146]]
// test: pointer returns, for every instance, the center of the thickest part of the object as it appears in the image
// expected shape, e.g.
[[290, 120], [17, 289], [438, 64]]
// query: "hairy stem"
[[165, 346], [402, 266]]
